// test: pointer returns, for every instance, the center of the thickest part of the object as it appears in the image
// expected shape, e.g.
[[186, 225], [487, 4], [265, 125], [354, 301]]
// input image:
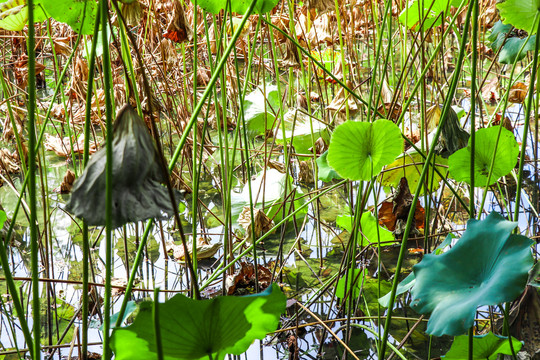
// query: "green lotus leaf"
[[506, 154], [410, 165], [200, 329], [14, 13], [485, 347], [271, 191], [302, 131], [368, 229], [357, 282], [80, 15], [407, 283], [489, 265], [325, 171], [351, 284], [260, 107], [137, 192], [412, 15], [510, 48], [520, 13], [237, 6], [359, 150], [3, 218]]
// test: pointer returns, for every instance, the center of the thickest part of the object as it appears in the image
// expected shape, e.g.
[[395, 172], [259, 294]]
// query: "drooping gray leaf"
[[137, 192]]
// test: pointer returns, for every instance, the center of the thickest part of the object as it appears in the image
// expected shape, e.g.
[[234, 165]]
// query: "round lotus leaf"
[[488, 146], [520, 13], [488, 266], [201, 329], [359, 150]]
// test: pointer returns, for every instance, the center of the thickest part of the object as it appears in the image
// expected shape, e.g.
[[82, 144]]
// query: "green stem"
[[528, 108], [446, 107], [34, 241], [108, 180], [157, 329], [86, 155]]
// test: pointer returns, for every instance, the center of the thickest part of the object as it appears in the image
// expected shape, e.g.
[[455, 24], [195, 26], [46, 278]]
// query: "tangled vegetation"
[[336, 179]]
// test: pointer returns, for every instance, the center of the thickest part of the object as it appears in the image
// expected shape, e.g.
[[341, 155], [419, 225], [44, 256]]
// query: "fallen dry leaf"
[[263, 223], [393, 214], [338, 103], [490, 91], [518, 93], [62, 147], [67, 182], [9, 161], [178, 29], [205, 249], [244, 280], [306, 172]]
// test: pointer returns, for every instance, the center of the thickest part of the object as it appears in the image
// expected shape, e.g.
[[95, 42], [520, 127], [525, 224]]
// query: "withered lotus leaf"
[[137, 192]]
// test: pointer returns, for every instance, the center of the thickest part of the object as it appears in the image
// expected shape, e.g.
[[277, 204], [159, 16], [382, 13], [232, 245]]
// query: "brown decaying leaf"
[[205, 249], [132, 13], [291, 57], [305, 174], [243, 281], [67, 183], [490, 91], [393, 214], [62, 147], [320, 146], [178, 29], [338, 103], [323, 30], [9, 161], [518, 93], [390, 110], [7, 129], [279, 166], [263, 223], [21, 70], [321, 5]]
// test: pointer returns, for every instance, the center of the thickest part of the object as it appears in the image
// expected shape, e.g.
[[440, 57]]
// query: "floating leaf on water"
[[200, 329], [205, 249], [486, 346], [488, 266], [62, 146], [259, 108], [243, 281], [137, 192], [369, 229], [277, 191]]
